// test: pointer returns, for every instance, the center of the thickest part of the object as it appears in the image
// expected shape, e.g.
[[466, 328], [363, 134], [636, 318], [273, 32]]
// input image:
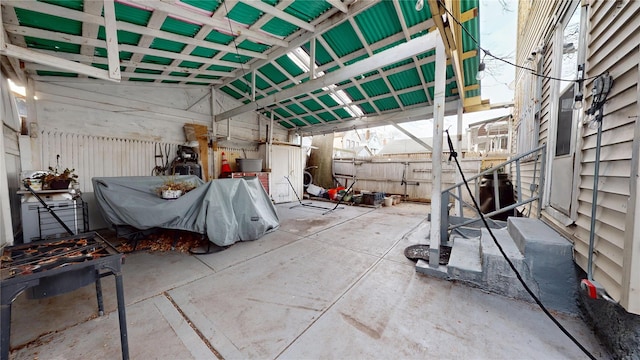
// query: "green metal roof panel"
[[37, 43], [205, 76], [413, 97], [322, 56], [147, 71], [411, 16], [242, 86], [190, 64], [260, 82], [206, 5], [342, 113], [102, 52], [472, 26], [296, 109], [367, 108], [152, 59], [311, 120], [69, 4], [298, 122], [398, 64], [470, 68], [283, 113], [327, 100], [307, 10], [273, 73], [124, 37], [141, 79], [311, 105], [405, 79], [236, 58], [231, 92], [56, 73], [326, 116], [279, 27], [204, 52], [48, 22], [244, 14], [286, 124], [219, 38], [220, 68], [385, 104], [356, 59], [378, 22], [181, 74], [466, 5], [252, 46], [167, 45], [375, 87], [289, 66], [354, 93], [343, 39], [132, 14], [180, 27]]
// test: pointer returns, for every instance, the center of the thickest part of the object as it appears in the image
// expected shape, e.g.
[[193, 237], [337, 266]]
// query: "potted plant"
[[172, 188], [52, 179]]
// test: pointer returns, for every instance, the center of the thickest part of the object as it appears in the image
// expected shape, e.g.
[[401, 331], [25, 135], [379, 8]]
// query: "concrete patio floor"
[[321, 286]]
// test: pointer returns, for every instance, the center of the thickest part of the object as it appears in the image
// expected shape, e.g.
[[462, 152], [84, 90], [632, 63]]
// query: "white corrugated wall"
[[97, 156]]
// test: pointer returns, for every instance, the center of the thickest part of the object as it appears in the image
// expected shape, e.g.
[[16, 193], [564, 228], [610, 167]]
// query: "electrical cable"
[[487, 52], [454, 155]]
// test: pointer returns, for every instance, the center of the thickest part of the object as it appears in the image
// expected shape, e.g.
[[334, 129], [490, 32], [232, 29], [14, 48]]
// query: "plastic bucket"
[[388, 201]]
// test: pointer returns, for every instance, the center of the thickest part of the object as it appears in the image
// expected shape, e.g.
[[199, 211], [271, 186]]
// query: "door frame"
[[576, 141]]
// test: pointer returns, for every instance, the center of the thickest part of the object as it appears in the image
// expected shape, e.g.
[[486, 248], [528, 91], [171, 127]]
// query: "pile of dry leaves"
[[165, 240]]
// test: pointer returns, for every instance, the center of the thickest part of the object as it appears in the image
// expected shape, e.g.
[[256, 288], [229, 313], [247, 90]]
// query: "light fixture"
[[480, 73], [419, 5], [577, 101]]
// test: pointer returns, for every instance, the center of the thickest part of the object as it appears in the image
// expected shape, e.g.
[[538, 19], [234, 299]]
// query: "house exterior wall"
[[612, 38]]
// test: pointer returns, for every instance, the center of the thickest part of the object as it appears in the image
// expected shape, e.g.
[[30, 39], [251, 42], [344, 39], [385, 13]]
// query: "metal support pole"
[[594, 202], [124, 342]]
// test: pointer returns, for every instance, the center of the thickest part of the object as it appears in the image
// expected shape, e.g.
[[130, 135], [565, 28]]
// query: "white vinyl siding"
[[613, 45]]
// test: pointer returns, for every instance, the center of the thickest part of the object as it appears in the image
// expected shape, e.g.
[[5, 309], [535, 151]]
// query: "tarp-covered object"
[[226, 210]]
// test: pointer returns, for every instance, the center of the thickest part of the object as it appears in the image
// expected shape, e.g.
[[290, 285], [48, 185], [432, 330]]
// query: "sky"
[[498, 26]]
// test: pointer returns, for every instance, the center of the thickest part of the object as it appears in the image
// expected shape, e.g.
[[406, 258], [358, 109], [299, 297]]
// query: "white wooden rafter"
[[274, 11], [338, 5], [390, 56], [90, 30], [407, 36], [370, 53], [204, 31], [218, 24], [126, 26], [353, 80], [155, 22], [113, 55]]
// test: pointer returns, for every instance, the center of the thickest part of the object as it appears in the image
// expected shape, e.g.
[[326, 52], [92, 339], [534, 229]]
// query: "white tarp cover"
[[226, 210]]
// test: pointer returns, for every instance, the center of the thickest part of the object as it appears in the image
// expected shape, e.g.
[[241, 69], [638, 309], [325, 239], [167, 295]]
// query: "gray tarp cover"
[[226, 210]]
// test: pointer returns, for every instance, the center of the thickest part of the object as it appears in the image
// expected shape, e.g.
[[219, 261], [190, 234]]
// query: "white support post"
[[253, 86], [113, 55], [458, 148], [436, 155], [214, 132], [312, 59]]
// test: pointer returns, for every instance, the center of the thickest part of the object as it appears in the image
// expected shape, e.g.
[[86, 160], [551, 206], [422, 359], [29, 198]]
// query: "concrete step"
[[464, 262], [497, 274], [550, 258]]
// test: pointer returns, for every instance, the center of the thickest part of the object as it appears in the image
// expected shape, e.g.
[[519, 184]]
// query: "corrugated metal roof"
[[370, 27]]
